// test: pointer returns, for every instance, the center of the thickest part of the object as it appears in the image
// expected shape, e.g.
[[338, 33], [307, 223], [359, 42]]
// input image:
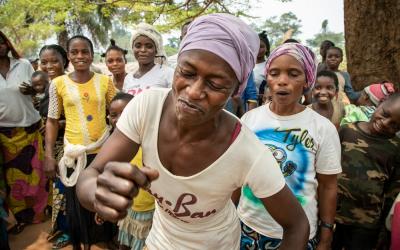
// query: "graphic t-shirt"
[[159, 76], [304, 144], [196, 212]]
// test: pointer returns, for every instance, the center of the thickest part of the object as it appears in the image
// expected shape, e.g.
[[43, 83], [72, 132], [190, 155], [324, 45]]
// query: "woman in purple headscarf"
[[195, 154], [306, 146]]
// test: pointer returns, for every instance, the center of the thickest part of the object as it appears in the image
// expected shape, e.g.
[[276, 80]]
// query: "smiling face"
[[286, 80], [386, 119], [115, 62], [324, 90], [203, 82], [52, 63], [144, 50], [80, 54]]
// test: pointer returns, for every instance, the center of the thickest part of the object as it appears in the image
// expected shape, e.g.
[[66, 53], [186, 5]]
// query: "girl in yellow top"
[[83, 97], [134, 229]]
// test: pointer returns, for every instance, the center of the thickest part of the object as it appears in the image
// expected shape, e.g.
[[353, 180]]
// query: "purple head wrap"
[[229, 38], [302, 54]]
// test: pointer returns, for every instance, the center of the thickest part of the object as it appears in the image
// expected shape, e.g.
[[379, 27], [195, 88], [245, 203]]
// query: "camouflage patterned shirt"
[[370, 179]]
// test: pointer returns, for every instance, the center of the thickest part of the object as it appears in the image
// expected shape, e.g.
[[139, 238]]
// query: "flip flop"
[[61, 242], [53, 235]]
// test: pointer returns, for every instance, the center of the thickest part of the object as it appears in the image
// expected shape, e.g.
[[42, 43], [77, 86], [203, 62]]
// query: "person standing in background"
[[20, 139]]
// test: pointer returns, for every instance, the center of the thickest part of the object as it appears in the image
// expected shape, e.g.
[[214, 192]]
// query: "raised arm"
[[286, 210], [109, 184]]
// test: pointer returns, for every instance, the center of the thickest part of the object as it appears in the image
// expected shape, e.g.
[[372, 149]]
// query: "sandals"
[[61, 241], [53, 234]]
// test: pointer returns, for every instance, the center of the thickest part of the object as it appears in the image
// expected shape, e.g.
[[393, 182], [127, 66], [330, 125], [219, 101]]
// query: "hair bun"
[[112, 41]]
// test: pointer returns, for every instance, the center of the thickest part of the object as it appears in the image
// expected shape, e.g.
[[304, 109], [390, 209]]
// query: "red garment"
[[396, 228]]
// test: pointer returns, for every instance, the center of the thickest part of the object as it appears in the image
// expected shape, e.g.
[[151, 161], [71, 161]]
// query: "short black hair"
[[81, 37], [330, 74], [114, 46], [40, 73], [264, 37], [291, 40], [336, 48], [58, 49], [122, 96], [331, 44]]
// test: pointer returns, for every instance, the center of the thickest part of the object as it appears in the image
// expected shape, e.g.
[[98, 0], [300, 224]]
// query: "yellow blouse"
[[143, 201], [84, 106]]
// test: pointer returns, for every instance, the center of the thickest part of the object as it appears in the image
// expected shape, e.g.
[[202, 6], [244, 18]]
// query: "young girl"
[[134, 229], [258, 70], [305, 144], [325, 45], [82, 96], [325, 89], [346, 94], [371, 177], [148, 51], [115, 61], [54, 61]]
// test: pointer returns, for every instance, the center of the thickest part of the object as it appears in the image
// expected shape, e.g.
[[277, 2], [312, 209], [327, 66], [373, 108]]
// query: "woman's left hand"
[[26, 89]]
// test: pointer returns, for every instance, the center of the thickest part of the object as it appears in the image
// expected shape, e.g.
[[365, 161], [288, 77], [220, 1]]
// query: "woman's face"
[[286, 80], [262, 50], [80, 54], [324, 90], [115, 62], [203, 82], [52, 63], [386, 119], [144, 50]]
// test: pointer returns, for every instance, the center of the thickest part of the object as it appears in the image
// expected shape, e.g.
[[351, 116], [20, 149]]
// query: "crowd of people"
[[226, 145]]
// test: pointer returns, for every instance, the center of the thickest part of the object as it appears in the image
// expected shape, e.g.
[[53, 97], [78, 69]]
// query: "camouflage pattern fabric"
[[370, 179]]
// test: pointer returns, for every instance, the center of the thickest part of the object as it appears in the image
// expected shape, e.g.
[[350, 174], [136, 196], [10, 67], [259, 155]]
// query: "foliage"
[[277, 27], [29, 23], [326, 34]]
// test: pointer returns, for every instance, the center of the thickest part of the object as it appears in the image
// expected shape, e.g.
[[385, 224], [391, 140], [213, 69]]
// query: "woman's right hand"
[[50, 165], [117, 185]]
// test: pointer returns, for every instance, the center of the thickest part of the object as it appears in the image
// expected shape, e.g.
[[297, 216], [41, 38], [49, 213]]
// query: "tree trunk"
[[372, 33]]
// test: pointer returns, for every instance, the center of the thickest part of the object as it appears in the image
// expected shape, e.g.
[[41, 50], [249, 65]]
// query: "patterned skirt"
[[23, 154], [133, 230]]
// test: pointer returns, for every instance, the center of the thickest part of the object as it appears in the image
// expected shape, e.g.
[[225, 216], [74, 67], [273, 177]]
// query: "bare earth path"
[[31, 234]]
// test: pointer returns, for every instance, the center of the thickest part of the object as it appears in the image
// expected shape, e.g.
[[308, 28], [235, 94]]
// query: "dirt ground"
[[36, 234]]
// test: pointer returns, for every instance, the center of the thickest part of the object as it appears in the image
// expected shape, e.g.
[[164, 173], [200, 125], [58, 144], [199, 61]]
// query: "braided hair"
[[264, 37], [114, 46]]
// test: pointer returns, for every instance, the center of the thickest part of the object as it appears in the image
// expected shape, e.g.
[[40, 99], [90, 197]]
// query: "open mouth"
[[282, 92]]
